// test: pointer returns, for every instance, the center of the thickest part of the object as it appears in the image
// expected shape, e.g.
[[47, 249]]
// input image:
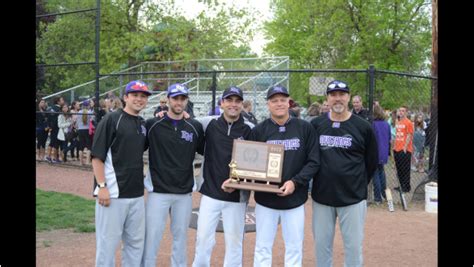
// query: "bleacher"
[[254, 84]]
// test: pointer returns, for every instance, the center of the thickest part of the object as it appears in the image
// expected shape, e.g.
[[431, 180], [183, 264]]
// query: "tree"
[[394, 35], [134, 31]]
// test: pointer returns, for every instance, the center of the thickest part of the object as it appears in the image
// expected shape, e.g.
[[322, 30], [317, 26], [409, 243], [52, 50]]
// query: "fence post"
[[433, 132], [97, 65], [213, 89], [371, 73]]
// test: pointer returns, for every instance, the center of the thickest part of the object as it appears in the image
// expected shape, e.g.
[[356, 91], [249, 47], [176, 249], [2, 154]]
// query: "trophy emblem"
[[233, 172]]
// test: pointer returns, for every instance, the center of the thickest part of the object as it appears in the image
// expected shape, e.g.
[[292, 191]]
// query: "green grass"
[[62, 211]]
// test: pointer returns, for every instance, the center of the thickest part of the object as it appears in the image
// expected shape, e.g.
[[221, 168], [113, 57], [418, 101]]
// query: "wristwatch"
[[102, 185]]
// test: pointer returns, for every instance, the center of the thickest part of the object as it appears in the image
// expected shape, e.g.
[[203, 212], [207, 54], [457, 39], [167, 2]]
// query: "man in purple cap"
[[173, 142], [117, 162], [218, 201], [300, 163], [349, 156]]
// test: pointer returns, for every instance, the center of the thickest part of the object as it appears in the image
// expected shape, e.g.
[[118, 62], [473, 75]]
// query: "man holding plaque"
[[300, 163], [220, 133], [349, 156]]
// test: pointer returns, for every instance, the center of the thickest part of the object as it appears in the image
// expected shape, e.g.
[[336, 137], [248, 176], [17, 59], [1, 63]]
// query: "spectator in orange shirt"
[[403, 148]]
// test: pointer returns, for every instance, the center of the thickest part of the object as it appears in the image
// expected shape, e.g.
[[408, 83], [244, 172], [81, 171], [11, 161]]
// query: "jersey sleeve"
[[103, 138], [311, 166], [255, 133], [200, 141]]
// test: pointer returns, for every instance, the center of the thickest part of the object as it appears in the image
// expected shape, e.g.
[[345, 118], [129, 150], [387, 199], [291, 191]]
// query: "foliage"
[[60, 211], [135, 31], [343, 34]]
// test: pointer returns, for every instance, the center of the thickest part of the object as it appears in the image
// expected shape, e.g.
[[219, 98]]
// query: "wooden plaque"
[[256, 165]]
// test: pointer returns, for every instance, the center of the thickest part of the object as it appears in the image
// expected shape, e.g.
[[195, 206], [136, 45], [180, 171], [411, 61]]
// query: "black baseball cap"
[[337, 86], [233, 90], [277, 90]]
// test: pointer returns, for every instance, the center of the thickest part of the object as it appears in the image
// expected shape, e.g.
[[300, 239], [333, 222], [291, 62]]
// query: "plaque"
[[256, 166]]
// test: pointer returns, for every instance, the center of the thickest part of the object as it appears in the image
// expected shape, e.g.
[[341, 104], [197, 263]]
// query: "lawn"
[[62, 211]]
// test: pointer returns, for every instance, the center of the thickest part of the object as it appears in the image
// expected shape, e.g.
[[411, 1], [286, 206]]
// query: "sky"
[[193, 7]]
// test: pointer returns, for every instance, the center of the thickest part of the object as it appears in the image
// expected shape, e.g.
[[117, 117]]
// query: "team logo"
[[139, 85], [278, 89], [187, 136], [328, 141]]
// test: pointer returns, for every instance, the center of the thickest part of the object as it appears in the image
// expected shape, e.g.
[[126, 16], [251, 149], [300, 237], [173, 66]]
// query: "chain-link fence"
[[391, 91]]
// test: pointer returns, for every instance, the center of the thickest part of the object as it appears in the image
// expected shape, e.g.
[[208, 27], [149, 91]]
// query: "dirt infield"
[[391, 239]]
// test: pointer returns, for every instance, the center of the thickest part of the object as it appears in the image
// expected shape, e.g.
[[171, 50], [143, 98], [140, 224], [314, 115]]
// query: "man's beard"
[[338, 108], [175, 111]]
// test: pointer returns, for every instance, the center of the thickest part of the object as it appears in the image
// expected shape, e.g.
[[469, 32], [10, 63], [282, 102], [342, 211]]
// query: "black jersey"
[[119, 141], [300, 162], [53, 116], [348, 160], [172, 148], [220, 136]]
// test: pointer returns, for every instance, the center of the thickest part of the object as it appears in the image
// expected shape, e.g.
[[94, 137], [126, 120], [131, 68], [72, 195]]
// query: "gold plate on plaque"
[[256, 162]]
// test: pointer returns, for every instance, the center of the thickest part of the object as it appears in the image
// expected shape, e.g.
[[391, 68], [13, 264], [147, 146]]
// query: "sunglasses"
[[179, 88], [340, 85], [163, 102]]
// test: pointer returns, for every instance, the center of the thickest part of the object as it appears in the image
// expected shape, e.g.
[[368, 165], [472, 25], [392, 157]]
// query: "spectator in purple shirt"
[[383, 137]]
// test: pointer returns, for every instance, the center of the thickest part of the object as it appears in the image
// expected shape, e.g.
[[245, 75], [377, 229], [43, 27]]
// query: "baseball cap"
[[337, 86], [177, 89], [137, 86], [85, 103], [233, 90], [277, 90]]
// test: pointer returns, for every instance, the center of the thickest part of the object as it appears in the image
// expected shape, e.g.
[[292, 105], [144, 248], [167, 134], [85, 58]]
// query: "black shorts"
[[41, 136], [53, 138], [84, 140]]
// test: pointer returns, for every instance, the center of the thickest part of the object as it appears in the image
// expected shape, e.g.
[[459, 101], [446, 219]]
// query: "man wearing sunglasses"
[[348, 154]]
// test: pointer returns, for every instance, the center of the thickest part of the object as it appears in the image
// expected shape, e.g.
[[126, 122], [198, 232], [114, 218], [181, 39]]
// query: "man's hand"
[[288, 188], [186, 115], [160, 114], [104, 196], [227, 189]]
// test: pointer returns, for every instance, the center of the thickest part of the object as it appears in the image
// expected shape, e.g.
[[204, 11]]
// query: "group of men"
[[337, 151]]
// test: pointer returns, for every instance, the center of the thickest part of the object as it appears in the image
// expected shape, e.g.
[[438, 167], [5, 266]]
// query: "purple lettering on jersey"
[[187, 136], [335, 141], [290, 144]]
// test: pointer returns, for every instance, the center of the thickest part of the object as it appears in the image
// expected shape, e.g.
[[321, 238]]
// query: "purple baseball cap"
[[137, 86], [177, 89]]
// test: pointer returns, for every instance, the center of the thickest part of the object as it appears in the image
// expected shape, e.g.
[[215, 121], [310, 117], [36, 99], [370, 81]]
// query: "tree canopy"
[[134, 31], [351, 34]]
